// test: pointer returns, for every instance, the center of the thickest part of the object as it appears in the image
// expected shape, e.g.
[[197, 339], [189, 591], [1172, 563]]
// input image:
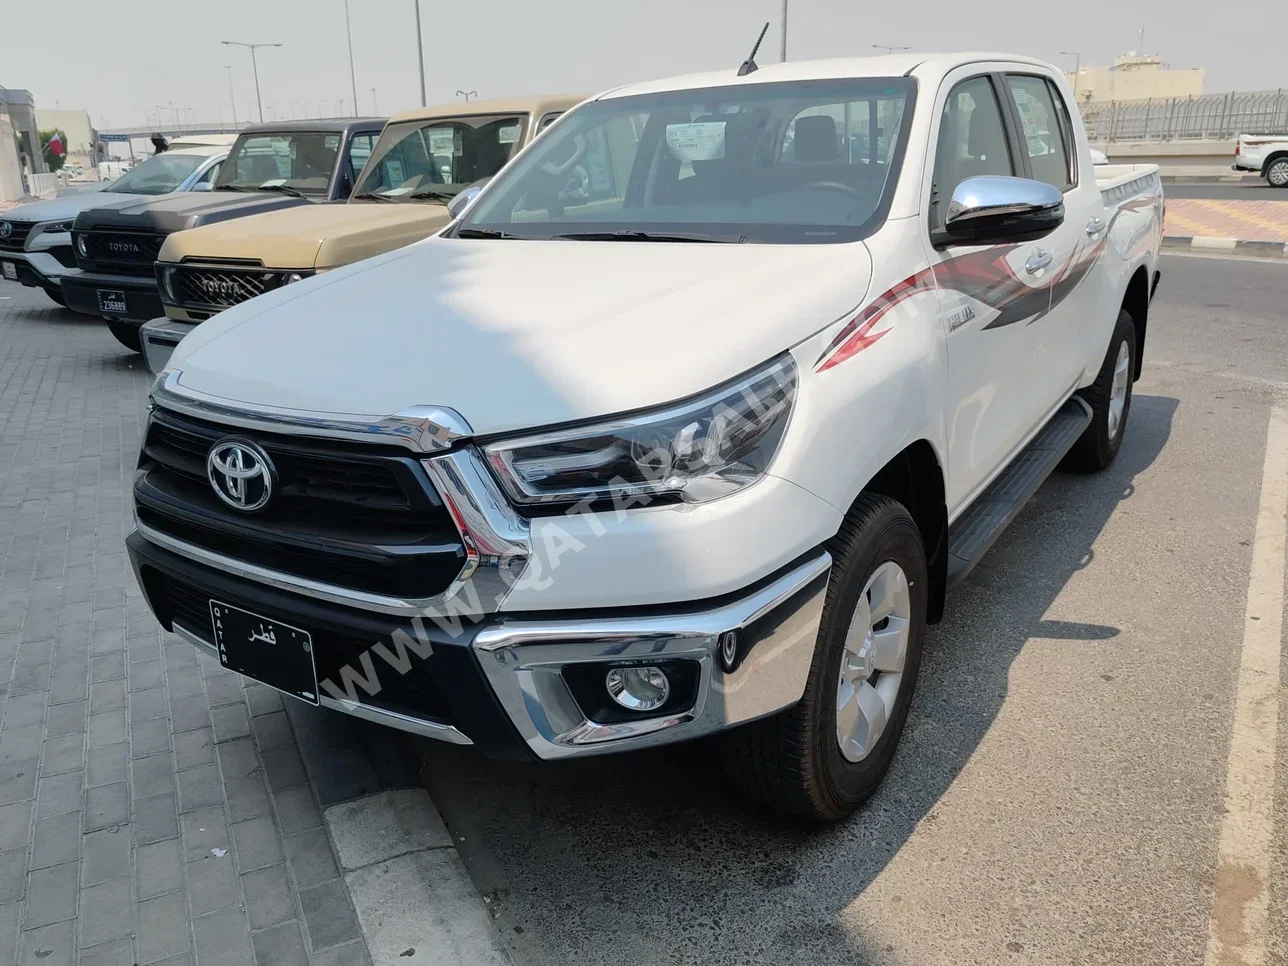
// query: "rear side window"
[[359, 150], [1044, 135], [972, 142]]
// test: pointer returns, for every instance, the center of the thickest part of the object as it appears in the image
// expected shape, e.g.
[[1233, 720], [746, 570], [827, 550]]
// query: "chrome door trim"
[[403, 722], [421, 429]]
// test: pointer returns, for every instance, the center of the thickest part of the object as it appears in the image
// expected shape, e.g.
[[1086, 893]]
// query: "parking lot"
[[1059, 796]]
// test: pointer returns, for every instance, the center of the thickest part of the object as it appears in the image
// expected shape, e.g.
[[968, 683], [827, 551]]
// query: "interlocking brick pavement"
[[152, 809], [1245, 220]]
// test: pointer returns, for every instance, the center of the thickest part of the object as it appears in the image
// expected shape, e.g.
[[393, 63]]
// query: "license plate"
[[269, 651], [112, 302], [10, 270]]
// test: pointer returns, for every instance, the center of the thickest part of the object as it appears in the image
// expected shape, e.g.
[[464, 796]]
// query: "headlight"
[[293, 277], [163, 280], [81, 248], [691, 452]]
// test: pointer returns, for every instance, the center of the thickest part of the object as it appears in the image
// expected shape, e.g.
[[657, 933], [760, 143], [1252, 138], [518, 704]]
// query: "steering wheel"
[[834, 185]]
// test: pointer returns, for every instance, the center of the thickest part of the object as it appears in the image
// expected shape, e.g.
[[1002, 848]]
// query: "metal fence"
[[1181, 118]]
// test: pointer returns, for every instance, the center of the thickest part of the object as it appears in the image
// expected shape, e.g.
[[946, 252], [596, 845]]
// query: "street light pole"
[[887, 48], [1077, 68], [420, 55], [468, 94], [254, 67], [784, 37], [352, 78], [232, 96]]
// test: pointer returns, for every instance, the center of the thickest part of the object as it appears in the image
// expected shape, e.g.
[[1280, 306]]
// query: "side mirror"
[[456, 207], [202, 186], [991, 210]]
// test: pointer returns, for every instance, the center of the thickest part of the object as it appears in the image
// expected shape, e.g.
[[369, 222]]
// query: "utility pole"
[[420, 55], [784, 47], [254, 67], [352, 78], [232, 96]]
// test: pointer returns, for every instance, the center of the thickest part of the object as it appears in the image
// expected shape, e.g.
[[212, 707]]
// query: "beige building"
[[1135, 77], [80, 134]]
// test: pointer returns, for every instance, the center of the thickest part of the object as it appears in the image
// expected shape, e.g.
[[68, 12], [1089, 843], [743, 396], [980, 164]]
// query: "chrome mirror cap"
[[456, 207], [991, 209]]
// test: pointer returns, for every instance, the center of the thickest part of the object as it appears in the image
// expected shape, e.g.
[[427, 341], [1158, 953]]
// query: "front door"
[[986, 294]]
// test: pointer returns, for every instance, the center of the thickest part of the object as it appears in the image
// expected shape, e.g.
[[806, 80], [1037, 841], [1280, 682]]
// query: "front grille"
[[414, 693], [191, 285], [17, 237], [362, 517], [124, 252]]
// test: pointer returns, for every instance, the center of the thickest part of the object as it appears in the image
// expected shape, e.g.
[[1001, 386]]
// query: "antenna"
[[749, 65]]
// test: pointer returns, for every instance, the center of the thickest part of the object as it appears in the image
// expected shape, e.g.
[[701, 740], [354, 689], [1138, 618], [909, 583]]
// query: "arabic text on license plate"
[[267, 650], [112, 301], [10, 270]]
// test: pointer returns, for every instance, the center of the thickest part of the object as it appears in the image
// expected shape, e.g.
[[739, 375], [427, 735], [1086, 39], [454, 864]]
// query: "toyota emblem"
[[6, 229], [241, 474]]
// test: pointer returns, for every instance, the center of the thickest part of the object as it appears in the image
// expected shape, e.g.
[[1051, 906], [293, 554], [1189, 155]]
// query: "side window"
[[547, 120], [359, 150], [972, 142], [210, 174], [1044, 137]]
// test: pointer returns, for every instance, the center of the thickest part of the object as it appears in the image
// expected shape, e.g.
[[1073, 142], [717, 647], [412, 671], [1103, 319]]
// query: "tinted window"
[[304, 161], [441, 156], [359, 150], [158, 175], [972, 142], [210, 174], [778, 162], [1043, 130]]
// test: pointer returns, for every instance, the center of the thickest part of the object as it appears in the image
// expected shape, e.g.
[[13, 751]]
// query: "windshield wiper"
[[374, 196], [232, 187], [284, 189], [631, 234], [483, 233], [433, 193]]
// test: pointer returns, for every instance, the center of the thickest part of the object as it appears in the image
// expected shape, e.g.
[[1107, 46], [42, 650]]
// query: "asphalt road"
[[1236, 191], [1060, 792]]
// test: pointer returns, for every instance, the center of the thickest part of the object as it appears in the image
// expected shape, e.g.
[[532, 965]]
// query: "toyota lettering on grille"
[[225, 287], [123, 247], [241, 474]]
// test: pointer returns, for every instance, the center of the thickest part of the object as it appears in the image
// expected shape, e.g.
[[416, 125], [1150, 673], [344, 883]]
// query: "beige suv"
[[422, 160]]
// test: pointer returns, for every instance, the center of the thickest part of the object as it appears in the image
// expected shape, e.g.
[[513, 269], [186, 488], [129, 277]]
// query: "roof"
[[527, 104], [337, 124], [884, 65]]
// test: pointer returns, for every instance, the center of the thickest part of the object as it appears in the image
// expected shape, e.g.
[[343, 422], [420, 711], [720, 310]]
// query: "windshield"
[[158, 175], [301, 161], [440, 157], [802, 161]]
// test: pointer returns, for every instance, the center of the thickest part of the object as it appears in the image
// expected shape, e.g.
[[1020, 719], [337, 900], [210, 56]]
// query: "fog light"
[[294, 277], [638, 688], [81, 246]]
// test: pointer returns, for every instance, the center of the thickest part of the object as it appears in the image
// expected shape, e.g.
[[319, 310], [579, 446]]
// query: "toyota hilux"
[[269, 167], [696, 451], [423, 160]]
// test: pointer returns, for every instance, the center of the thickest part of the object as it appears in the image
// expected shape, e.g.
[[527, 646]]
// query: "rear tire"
[[1110, 400], [127, 335], [56, 294], [1277, 172], [793, 761]]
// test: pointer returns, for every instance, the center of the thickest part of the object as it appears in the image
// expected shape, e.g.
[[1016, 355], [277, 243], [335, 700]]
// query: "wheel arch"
[[1136, 304], [915, 478], [1271, 159]]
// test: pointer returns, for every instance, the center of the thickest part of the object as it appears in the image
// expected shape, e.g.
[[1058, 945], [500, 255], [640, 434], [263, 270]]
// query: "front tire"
[[127, 335], [821, 758], [1110, 400], [1277, 173]]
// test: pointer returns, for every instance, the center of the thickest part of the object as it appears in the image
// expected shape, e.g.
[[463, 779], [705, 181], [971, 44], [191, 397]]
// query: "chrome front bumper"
[[772, 633]]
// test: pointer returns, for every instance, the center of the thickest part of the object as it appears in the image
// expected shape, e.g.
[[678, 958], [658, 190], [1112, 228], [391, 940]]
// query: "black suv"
[[271, 166]]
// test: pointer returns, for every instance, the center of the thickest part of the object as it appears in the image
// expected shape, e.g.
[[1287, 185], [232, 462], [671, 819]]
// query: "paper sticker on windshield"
[[442, 142], [508, 134], [697, 141]]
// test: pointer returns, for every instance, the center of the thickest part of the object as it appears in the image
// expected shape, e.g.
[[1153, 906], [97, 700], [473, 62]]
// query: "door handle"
[[1095, 227], [1039, 260]]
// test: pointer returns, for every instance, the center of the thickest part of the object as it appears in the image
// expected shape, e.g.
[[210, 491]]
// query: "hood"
[[519, 334], [68, 206], [185, 209], [311, 236]]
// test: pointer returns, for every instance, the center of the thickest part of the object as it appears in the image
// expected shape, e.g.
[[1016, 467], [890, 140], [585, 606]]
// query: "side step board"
[[984, 520]]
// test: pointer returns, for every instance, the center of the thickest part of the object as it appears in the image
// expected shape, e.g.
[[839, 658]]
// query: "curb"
[[1225, 246], [1247, 178]]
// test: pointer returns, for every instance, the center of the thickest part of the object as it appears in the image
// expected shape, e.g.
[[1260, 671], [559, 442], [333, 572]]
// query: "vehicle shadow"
[[652, 853]]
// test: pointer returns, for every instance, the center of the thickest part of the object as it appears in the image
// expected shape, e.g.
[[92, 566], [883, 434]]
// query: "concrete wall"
[[1135, 78], [10, 171], [21, 108]]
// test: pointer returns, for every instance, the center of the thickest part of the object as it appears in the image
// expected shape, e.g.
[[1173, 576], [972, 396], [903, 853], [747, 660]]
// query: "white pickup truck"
[[1266, 154], [683, 428]]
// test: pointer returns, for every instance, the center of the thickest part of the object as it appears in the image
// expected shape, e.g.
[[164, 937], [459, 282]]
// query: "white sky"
[[119, 59]]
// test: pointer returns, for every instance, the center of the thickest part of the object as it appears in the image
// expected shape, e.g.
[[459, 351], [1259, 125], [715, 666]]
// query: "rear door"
[[1062, 261], [986, 297]]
